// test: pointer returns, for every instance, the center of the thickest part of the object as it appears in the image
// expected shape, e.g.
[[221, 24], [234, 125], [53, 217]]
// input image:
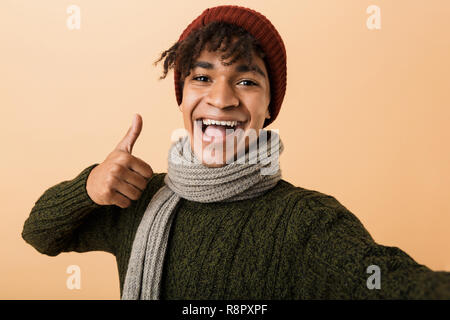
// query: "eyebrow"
[[241, 68]]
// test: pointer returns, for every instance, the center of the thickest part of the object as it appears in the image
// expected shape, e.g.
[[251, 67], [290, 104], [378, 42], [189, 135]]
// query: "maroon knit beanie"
[[267, 36]]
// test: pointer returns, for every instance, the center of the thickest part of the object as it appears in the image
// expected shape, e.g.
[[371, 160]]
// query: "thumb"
[[133, 132]]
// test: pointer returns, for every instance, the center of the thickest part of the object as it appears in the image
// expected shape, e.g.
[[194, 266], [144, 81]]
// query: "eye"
[[249, 83], [200, 77]]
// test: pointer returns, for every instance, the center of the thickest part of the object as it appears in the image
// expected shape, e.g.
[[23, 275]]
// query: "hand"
[[121, 177]]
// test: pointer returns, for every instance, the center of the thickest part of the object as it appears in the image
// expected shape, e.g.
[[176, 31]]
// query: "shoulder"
[[304, 198], [312, 211]]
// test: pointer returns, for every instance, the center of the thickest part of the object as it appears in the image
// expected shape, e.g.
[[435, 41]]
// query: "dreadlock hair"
[[183, 54]]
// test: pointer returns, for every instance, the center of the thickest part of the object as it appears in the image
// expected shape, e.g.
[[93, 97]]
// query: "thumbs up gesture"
[[121, 177]]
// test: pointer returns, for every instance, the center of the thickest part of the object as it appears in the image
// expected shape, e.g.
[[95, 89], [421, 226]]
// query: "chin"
[[214, 165]]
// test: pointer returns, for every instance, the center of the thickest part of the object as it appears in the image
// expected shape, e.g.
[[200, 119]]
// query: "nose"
[[222, 95]]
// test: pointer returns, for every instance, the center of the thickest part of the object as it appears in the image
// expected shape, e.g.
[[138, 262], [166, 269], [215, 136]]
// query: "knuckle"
[[125, 158], [117, 156], [109, 181], [117, 169], [108, 194]]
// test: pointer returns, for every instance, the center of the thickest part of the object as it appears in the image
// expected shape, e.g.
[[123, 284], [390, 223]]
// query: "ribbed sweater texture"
[[290, 243]]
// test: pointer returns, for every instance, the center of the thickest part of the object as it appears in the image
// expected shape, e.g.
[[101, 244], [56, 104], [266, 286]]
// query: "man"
[[218, 225]]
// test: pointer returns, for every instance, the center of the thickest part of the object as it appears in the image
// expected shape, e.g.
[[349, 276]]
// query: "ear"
[[267, 114]]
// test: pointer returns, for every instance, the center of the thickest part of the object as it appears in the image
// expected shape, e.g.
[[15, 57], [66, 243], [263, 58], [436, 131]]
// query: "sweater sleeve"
[[346, 263], [66, 219]]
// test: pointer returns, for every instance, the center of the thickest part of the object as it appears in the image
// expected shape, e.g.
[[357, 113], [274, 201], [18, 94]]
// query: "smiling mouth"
[[220, 125], [216, 129], [206, 123]]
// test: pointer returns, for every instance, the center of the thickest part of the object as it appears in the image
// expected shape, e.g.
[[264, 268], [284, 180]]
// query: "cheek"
[[186, 119], [258, 111], [191, 98], [190, 101], [188, 123]]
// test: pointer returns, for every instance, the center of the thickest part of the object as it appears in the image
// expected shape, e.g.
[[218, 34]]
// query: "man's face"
[[232, 93]]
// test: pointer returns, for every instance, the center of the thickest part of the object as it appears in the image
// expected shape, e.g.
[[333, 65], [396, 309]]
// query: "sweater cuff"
[[64, 204], [74, 193]]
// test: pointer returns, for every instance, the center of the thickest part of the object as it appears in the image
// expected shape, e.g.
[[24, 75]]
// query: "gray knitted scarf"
[[251, 175]]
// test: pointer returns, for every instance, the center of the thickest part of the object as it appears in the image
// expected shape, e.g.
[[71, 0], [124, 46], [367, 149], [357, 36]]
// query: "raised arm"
[[83, 214], [66, 219]]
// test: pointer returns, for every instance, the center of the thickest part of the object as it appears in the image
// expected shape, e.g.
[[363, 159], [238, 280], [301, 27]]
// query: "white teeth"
[[221, 123]]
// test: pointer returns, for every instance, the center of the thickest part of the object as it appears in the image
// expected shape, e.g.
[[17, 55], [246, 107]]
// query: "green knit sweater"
[[290, 243]]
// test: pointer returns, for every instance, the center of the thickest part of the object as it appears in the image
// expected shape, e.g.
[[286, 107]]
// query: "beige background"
[[365, 117]]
